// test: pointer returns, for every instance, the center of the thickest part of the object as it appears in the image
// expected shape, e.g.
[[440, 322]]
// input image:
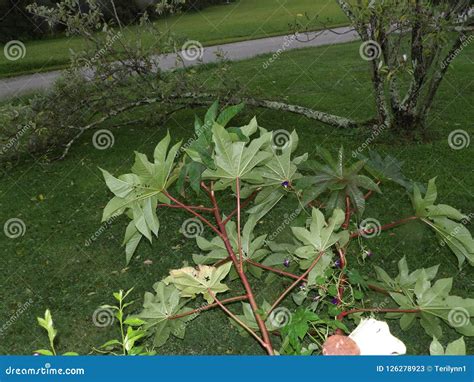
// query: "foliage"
[[341, 181], [47, 324], [446, 222], [246, 165], [457, 347], [430, 301], [130, 329]]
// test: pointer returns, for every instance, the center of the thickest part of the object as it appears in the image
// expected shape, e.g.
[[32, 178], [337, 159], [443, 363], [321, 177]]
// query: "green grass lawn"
[[51, 264], [240, 20]]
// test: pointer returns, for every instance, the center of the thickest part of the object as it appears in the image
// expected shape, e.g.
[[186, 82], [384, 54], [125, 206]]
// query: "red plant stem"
[[375, 288], [342, 277], [239, 238], [267, 344], [274, 270], [245, 203], [297, 281], [217, 264], [384, 227], [207, 307], [190, 210], [200, 208], [348, 213], [376, 310], [236, 319]]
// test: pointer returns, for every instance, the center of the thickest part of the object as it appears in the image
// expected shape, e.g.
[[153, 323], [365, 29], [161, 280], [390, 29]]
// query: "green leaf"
[[44, 352], [137, 194], [457, 347], [235, 159], [159, 308], [436, 348], [191, 281]]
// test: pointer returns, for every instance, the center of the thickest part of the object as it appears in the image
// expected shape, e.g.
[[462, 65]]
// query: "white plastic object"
[[374, 338]]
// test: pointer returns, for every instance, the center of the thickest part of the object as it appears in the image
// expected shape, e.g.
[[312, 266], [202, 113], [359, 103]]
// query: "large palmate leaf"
[[235, 159], [318, 240], [446, 221], [199, 148], [158, 308], [281, 169], [191, 281], [335, 178], [386, 169], [138, 193], [416, 291]]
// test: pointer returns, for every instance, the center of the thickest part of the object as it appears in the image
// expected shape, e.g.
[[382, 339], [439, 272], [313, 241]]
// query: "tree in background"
[[409, 45]]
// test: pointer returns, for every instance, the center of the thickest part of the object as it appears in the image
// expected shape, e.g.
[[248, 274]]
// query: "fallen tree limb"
[[205, 99]]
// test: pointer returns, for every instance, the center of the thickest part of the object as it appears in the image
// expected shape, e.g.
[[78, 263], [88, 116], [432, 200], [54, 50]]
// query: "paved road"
[[12, 87]]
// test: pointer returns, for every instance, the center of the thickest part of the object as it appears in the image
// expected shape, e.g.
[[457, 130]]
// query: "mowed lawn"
[[239, 20], [61, 204]]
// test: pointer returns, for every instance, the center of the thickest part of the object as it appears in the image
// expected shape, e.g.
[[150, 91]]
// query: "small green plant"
[[130, 329], [47, 324], [246, 165]]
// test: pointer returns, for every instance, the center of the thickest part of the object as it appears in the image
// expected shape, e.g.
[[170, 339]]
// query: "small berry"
[[335, 301], [286, 263], [285, 184]]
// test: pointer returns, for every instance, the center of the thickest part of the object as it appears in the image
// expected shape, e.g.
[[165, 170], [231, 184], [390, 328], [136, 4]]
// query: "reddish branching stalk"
[[267, 344], [239, 238], [342, 277], [274, 270], [384, 227], [196, 208], [236, 319], [244, 204], [348, 213], [376, 310], [208, 306], [297, 281], [191, 211]]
